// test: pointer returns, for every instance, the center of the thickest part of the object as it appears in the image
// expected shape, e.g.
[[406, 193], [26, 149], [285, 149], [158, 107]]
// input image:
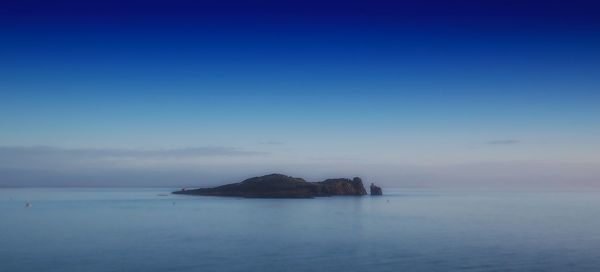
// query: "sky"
[[402, 93]]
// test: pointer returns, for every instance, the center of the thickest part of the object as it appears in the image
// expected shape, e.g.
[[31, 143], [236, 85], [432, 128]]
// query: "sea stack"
[[375, 190]]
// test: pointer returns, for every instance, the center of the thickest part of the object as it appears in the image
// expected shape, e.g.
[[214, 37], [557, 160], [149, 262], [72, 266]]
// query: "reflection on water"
[[405, 230]]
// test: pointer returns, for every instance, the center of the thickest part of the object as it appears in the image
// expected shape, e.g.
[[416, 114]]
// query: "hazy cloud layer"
[[206, 166], [503, 142], [271, 143], [53, 158], [512, 175], [92, 152]]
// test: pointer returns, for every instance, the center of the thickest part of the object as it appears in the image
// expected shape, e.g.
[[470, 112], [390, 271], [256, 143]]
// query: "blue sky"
[[397, 92]]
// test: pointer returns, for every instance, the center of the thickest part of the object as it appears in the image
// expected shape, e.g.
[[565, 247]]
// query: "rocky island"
[[282, 186]]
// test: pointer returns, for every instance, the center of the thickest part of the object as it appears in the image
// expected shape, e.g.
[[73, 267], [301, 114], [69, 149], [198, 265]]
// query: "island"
[[282, 186]]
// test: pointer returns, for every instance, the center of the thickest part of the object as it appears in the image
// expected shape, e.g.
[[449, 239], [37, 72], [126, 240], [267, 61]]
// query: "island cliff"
[[282, 186]]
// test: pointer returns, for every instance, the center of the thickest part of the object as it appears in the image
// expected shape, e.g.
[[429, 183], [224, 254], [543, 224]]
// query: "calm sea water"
[[405, 230]]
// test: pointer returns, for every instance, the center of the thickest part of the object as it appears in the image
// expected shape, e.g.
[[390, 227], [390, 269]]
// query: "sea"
[[149, 229]]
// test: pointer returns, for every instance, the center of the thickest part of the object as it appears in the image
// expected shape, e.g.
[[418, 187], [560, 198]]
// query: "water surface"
[[137, 229]]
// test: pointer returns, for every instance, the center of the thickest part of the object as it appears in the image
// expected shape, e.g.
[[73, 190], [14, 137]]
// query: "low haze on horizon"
[[184, 93]]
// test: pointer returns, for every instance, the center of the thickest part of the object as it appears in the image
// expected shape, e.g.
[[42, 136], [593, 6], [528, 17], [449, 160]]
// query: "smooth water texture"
[[405, 230]]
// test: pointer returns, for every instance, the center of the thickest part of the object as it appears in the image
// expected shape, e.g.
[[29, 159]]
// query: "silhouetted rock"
[[375, 190], [281, 186]]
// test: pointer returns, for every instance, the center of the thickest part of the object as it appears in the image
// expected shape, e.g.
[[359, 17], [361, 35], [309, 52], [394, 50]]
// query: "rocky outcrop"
[[375, 190], [282, 186]]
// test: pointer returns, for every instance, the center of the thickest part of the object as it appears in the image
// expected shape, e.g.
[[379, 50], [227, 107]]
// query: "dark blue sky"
[[372, 82]]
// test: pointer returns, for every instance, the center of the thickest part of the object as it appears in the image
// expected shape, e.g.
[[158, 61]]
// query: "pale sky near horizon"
[[435, 93]]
